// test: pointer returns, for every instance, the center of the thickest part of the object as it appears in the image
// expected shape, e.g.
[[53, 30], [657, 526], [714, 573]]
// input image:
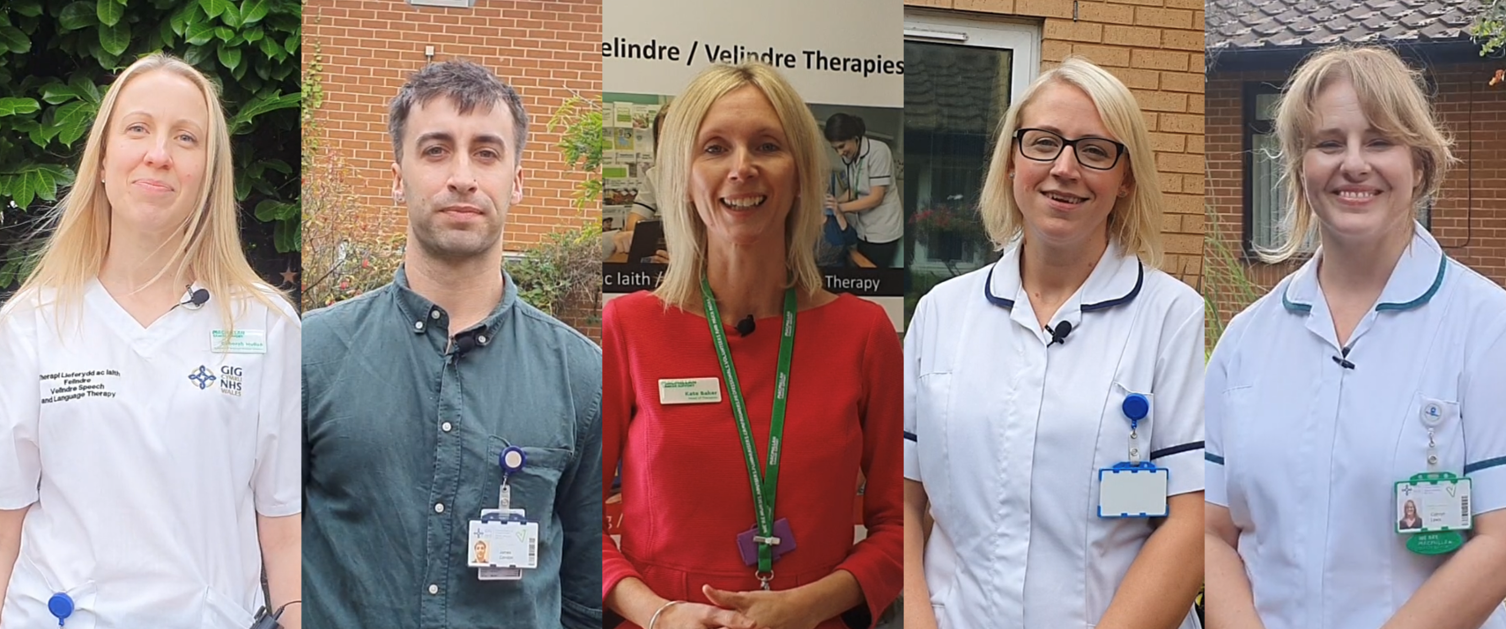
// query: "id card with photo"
[[1433, 502]]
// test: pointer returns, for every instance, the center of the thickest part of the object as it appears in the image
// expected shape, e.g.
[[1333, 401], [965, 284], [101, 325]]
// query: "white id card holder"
[[1132, 491], [499, 574], [503, 540]]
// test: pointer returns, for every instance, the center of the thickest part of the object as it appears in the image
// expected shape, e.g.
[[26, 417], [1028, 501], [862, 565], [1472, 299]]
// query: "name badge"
[[509, 543], [1433, 508], [1132, 491], [498, 574], [241, 342], [690, 391]]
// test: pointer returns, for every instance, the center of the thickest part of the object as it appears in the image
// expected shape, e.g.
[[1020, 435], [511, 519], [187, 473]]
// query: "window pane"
[[1265, 106], [955, 97], [1268, 199]]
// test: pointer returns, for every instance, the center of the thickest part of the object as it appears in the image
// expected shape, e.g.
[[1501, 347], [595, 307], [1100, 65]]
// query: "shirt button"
[[418, 325], [439, 508], [434, 314], [433, 589], [445, 426], [481, 339]]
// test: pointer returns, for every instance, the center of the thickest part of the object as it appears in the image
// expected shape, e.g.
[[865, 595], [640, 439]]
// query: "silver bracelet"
[[655, 619]]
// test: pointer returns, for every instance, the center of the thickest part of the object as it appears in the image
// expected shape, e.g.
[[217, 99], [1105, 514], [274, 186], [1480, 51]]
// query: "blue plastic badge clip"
[[61, 606], [512, 460], [1135, 407]]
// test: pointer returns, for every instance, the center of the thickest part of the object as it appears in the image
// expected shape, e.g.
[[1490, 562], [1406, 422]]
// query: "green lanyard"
[[763, 491]]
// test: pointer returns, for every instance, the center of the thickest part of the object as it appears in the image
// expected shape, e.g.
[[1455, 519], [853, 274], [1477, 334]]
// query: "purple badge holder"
[[749, 548]]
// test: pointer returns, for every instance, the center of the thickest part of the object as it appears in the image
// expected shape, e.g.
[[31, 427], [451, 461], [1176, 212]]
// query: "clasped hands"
[[757, 609]]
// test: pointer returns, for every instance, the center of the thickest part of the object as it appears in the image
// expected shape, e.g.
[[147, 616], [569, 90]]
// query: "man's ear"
[[517, 185], [397, 183]]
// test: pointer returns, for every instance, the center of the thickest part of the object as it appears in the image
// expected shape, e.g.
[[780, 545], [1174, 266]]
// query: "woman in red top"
[[741, 183]]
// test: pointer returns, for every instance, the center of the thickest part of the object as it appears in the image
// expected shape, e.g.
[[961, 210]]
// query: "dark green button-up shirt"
[[402, 432]]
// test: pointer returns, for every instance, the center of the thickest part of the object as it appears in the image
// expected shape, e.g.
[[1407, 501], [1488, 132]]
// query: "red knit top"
[[685, 493]]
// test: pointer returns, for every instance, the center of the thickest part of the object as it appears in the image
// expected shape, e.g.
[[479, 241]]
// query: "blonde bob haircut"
[[209, 246], [1135, 222], [1393, 99], [684, 233]]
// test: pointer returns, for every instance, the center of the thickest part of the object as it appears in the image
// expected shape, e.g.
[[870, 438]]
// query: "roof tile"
[[1248, 24]]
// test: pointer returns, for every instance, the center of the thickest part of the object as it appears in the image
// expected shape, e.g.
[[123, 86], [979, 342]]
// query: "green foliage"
[[1489, 29], [564, 271], [1224, 280], [581, 143], [58, 58], [343, 253]]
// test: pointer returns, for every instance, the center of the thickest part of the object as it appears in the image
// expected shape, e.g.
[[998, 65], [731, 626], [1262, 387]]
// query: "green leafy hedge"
[[57, 58]]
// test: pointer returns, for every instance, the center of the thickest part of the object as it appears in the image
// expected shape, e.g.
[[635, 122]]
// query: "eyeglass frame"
[[1019, 141]]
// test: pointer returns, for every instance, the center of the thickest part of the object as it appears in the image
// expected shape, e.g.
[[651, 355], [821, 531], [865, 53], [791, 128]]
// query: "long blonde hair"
[[209, 249], [1135, 221], [1392, 97], [684, 233]]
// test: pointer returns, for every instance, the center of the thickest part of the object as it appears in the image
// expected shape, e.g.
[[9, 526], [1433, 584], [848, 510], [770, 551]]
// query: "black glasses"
[[1044, 146]]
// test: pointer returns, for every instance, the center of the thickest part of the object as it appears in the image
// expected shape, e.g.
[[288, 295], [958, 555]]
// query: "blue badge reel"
[[1134, 488], [61, 607]]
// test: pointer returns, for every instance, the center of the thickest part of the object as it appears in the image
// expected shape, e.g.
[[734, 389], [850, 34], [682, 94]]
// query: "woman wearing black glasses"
[[1054, 400]]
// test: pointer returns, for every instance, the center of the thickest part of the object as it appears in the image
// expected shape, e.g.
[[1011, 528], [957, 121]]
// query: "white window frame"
[[1022, 38]]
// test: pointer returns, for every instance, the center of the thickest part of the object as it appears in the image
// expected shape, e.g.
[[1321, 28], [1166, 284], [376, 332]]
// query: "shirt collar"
[[1417, 277], [1115, 281], [423, 316]]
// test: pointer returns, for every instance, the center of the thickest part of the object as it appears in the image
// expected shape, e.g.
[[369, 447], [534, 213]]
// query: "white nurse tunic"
[[144, 458], [1007, 433], [1304, 450]]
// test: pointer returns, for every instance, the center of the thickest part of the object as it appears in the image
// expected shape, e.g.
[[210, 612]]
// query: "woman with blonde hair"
[[1368, 379], [1053, 400], [742, 400], [150, 399]]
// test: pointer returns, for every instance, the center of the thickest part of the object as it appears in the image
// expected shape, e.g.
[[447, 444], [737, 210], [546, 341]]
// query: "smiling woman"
[[1014, 433], [150, 402], [710, 536], [1355, 443]]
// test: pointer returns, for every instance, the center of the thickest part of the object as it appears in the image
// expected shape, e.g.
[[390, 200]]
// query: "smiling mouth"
[[1064, 198], [1356, 195], [742, 203]]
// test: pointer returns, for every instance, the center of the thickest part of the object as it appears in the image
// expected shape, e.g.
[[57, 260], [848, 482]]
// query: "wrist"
[[821, 600], [654, 620]]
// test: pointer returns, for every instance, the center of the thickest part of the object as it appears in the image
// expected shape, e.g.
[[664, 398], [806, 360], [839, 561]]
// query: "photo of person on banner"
[[743, 402], [871, 201]]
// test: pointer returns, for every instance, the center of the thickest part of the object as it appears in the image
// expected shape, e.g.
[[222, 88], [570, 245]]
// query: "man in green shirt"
[[413, 392]]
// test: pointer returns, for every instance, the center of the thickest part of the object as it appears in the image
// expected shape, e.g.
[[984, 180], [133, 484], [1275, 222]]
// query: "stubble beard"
[[456, 244]]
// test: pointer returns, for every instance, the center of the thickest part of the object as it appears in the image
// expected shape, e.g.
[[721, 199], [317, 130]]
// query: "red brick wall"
[[548, 51], [1469, 219], [1156, 48]]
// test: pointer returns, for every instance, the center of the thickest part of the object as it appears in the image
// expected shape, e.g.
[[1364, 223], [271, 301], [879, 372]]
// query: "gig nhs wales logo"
[[229, 379]]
